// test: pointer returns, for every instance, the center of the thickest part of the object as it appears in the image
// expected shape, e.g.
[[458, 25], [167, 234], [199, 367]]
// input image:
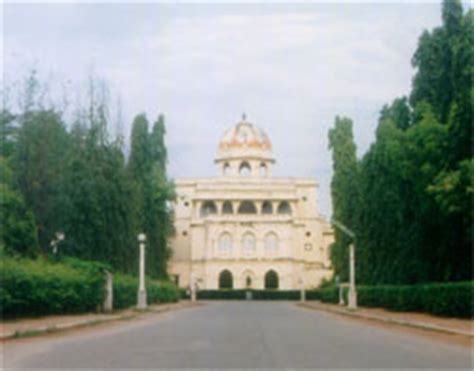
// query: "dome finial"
[[244, 116]]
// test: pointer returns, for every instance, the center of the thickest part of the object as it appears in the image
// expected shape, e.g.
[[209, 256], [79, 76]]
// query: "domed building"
[[246, 228]]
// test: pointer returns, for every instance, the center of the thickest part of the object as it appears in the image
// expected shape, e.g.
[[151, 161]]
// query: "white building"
[[246, 228]]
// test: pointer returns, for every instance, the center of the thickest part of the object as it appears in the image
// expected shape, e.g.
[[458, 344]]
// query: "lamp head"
[[141, 237]]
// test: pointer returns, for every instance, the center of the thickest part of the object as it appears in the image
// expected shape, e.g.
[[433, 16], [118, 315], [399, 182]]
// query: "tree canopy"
[[409, 198]]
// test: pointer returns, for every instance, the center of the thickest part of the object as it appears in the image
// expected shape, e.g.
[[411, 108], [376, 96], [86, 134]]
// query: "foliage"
[[18, 233], [152, 191], [125, 291], [344, 189], [241, 294], [38, 287], [65, 173], [38, 168], [409, 198], [448, 299]]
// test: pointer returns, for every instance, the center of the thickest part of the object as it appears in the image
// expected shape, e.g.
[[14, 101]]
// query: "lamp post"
[[303, 293], [352, 289], [141, 289], [339, 287], [58, 237]]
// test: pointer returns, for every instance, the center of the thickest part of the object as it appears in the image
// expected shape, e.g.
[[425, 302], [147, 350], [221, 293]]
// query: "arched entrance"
[[225, 280], [271, 279]]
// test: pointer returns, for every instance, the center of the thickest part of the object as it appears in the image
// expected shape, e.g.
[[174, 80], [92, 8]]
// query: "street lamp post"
[[303, 293], [142, 304], [58, 237], [352, 288]]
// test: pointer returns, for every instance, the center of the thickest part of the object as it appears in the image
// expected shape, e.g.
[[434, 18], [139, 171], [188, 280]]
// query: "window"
[[226, 169], [227, 208], [247, 207], [208, 208], [271, 242], [225, 242], [284, 208], [271, 280], [185, 233], [225, 280], [248, 243], [245, 169], [267, 207], [262, 170], [308, 247], [308, 234]]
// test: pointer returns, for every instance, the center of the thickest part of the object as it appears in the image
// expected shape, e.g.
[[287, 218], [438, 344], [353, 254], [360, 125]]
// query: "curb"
[[420, 325], [67, 326]]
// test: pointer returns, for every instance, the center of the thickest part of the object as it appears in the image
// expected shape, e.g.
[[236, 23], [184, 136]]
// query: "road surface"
[[237, 335]]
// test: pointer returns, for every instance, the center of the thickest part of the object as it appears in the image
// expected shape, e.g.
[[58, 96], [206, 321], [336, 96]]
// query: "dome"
[[244, 140]]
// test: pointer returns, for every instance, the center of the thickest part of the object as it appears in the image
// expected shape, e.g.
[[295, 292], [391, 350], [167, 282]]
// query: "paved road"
[[238, 335]]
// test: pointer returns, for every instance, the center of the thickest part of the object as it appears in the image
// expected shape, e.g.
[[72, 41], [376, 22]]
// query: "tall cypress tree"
[[344, 190]]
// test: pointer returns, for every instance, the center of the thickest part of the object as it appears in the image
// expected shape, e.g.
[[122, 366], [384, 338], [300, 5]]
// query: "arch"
[[267, 207], [247, 207], [271, 242], [248, 242], [226, 280], [284, 208], [224, 243], [271, 279], [227, 208], [226, 169], [263, 169], [245, 169], [208, 208]]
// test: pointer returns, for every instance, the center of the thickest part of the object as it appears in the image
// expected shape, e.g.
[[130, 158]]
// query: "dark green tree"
[[39, 168], [344, 190], [17, 228]]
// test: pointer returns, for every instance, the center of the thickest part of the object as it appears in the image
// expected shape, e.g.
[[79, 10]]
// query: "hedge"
[[447, 299], [241, 294], [454, 299], [37, 287], [40, 287], [126, 287]]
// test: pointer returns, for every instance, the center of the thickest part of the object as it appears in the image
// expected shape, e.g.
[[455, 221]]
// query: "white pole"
[[352, 288], [303, 293], [142, 302], [193, 287]]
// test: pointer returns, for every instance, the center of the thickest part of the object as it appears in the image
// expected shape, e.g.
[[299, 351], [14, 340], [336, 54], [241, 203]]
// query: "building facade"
[[246, 228]]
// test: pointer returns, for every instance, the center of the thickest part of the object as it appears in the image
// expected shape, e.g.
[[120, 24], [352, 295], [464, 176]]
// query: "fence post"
[[108, 305]]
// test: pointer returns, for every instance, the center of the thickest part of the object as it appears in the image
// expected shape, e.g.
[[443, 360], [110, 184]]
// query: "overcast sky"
[[290, 68]]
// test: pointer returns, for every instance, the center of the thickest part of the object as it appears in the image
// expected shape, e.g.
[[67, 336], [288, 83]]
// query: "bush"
[[447, 299], [240, 294], [454, 299], [329, 294], [38, 287], [126, 289]]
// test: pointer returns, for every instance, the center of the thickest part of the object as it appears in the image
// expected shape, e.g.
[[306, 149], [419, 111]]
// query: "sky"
[[292, 68]]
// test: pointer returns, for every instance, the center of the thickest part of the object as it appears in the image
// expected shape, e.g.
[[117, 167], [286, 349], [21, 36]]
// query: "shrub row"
[[126, 287], [448, 299], [241, 294], [454, 299], [36, 287], [39, 287]]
